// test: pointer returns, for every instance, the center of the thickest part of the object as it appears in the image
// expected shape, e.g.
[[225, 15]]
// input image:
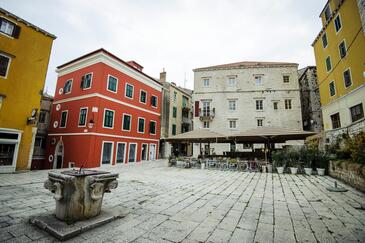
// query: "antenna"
[[185, 80]]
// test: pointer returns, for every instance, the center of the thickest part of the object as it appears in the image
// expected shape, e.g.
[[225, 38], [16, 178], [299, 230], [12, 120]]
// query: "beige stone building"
[[176, 117], [239, 96]]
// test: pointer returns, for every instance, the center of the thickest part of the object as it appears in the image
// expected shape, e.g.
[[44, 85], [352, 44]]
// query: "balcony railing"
[[206, 114], [186, 120]]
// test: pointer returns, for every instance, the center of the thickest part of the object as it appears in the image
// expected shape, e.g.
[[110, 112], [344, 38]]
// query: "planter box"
[[351, 173], [293, 170], [320, 171], [308, 171], [280, 170]]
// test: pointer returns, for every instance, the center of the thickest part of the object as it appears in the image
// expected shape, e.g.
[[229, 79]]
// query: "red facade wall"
[[83, 145]]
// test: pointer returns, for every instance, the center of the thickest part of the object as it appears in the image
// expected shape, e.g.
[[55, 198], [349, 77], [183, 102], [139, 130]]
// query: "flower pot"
[[269, 168], [308, 171], [280, 170], [293, 170], [203, 166], [320, 171]]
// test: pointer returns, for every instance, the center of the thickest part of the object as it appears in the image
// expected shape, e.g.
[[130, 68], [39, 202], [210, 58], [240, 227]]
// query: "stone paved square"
[[168, 204]]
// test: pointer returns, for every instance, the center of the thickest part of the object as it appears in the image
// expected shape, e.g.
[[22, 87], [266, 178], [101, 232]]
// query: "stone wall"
[[351, 173]]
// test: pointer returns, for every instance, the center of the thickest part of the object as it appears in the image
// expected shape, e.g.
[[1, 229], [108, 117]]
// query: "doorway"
[[59, 153], [144, 152], [152, 151]]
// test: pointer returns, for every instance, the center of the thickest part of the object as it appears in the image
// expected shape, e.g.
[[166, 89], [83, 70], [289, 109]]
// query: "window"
[[275, 105], [347, 78], [260, 122], [82, 117], [206, 108], [342, 49], [332, 88], [206, 82], [324, 40], [328, 64], [286, 78], [42, 117], [152, 127], [68, 86], [4, 65], [335, 118], [107, 153], [108, 118], [258, 80], [338, 24], [173, 129], [120, 152], [86, 81], [231, 105], [127, 120], [153, 101], [357, 112], [206, 124], [132, 152], [143, 97], [287, 104], [129, 91], [63, 119], [232, 124], [259, 105], [9, 28], [174, 112], [231, 81], [141, 125], [175, 96], [112, 83], [327, 12]]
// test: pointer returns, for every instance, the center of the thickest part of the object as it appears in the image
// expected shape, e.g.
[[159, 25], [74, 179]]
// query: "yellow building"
[[24, 55], [340, 57]]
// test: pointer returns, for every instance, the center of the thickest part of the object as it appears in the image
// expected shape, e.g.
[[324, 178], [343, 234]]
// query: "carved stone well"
[[79, 193]]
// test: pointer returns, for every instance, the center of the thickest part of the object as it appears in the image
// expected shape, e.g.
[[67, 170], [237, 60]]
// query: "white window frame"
[[229, 105], [235, 124], [64, 111], [91, 80], [343, 77], [334, 23], [144, 125], [155, 127], [107, 109], [156, 101], [290, 102], [206, 122], [130, 124], [262, 104], [135, 154], [124, 155], [111, 153], [107, 84], [329, 87], [206, 84], [7, 69], [72, 81], [234, 81], [125, 91], [140, 95], [142, 151], [87, 111], [12, 32], [261, 79], [277, 105], [262, 122], [339, 49], [324, 12]]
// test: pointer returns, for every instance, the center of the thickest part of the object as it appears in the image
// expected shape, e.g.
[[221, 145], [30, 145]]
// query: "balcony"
[[186, 121], [206, 115]]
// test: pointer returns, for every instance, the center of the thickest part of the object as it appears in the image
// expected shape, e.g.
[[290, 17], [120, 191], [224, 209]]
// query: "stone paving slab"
[[192, 205]]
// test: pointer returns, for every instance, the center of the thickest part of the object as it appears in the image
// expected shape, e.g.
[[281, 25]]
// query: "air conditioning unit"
[[71, 164]]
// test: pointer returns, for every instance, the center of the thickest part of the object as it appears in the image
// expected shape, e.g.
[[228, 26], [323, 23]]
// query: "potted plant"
[[279, 162], [307, 156], [321, 162], [293, 158]]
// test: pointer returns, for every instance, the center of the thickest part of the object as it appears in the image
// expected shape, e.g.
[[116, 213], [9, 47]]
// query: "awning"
[[273, 134], [199, 136]]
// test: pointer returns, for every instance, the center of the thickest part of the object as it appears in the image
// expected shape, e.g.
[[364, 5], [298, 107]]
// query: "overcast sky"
[[176, 35]]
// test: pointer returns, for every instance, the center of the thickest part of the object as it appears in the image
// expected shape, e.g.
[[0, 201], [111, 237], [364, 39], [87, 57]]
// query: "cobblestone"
[[193, 205]]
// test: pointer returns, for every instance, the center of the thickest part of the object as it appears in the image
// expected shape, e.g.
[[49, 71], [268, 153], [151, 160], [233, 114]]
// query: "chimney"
[[163, 76], [135, 65]]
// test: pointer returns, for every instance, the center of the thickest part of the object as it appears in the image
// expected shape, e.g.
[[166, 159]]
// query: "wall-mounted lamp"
[[91, 123]]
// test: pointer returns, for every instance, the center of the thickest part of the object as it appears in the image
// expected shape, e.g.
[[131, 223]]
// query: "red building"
[[105, 111]]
